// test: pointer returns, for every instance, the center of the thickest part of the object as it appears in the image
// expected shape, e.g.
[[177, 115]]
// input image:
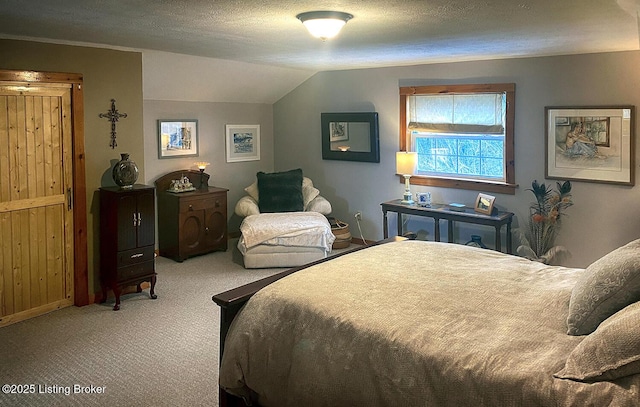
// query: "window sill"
[[484, 186]]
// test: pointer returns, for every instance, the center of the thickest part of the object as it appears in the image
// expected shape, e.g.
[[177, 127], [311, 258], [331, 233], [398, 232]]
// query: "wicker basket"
[[340, 230]]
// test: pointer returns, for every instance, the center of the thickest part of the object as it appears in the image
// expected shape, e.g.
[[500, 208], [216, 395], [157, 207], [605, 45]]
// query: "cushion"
[[246, 206], [319, 204], [607, 285], [611, 352], [308, 191], [252, 190], [280, 191]]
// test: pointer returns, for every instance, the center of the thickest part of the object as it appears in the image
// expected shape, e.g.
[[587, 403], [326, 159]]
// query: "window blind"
[[457, 113]]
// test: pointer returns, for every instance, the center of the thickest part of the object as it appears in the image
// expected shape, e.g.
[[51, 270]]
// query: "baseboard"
[[361, 242]]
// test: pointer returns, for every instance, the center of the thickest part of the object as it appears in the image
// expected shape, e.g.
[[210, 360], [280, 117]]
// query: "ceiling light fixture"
[[324, 24]]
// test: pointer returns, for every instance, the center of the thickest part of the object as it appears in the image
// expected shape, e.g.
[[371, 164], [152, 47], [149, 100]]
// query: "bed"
[[410, 323]]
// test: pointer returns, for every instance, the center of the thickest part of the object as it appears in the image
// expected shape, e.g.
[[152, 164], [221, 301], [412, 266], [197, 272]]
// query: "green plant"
[[543, 225]]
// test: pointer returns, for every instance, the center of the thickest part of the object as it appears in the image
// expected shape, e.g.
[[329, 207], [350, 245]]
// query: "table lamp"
[[406, 165], [201, 166]]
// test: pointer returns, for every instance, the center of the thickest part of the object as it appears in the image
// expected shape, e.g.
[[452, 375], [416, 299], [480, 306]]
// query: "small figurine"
[[181, 185]]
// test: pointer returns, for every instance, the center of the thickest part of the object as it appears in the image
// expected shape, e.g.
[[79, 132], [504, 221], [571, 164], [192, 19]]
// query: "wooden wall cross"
[[113, 116]]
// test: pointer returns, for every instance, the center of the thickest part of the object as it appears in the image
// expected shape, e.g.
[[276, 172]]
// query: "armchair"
[[284, 221]]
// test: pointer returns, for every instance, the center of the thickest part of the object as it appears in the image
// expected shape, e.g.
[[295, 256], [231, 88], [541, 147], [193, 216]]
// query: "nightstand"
[[192, 223]]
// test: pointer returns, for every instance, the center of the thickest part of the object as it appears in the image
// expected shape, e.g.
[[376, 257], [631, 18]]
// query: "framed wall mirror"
[[350, 137]]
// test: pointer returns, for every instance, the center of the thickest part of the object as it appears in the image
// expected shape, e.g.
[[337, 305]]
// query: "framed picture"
[[484, 204], [177, 138], [243, 142], [423, 199], [338, 131], [592, 144]]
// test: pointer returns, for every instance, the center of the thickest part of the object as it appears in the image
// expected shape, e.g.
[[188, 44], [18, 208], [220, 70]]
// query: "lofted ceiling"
[[382, 32]]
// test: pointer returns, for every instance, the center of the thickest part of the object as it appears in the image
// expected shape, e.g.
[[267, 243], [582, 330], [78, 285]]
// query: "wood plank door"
[[36, 214]]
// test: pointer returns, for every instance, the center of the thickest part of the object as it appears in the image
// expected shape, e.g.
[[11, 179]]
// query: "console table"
[[440, 211]]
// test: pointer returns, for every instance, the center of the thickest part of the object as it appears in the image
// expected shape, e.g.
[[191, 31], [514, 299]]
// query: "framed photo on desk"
[[484, 203]]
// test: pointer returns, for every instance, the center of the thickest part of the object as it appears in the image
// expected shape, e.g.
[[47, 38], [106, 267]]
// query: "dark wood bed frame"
[[231, 301]]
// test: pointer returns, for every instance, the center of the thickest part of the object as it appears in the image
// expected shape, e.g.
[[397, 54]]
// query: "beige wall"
[[108, 74], [603, 217]]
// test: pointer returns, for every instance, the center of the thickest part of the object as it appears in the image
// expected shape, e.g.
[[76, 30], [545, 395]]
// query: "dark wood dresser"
[[191, 223], [127, 239]]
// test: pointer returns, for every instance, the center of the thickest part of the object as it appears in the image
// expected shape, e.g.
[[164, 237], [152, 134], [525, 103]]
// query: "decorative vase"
[[125, 172], [476, 241]]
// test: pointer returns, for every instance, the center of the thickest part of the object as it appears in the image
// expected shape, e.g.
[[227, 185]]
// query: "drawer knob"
[[190, 207], [217, 204], [135, 256]]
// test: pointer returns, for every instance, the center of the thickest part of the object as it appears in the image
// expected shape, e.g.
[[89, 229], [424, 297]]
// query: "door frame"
[[80, 263]]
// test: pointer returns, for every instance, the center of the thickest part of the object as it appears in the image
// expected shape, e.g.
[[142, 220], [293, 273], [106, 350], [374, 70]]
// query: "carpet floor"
[[160, 352]]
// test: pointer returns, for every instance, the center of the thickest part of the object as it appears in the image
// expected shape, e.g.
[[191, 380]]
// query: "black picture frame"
[[349, 122]]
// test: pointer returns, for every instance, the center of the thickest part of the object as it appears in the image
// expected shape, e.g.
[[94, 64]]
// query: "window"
[[463, 135]]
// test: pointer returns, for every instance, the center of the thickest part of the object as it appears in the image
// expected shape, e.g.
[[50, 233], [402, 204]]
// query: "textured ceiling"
[[382, 32]]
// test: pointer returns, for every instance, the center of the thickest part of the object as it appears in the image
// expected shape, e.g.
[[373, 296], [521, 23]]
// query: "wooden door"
[[146, 218], [36, 216], [127, 221], [136, 219], [191, 231], [216, 226]]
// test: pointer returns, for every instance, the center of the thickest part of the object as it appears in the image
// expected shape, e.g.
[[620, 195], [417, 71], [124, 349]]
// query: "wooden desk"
[[440, 211]]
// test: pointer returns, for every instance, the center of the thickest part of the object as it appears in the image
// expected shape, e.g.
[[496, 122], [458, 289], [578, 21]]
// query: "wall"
[[108, 74], [604, 216], [212, 118]]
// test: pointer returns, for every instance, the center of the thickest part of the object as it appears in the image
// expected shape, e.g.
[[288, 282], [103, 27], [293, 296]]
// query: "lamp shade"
[[406, 162], [324, 24]]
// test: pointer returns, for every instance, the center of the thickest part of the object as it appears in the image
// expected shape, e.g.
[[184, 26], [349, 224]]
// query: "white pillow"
[[320, 205], [247, 206]]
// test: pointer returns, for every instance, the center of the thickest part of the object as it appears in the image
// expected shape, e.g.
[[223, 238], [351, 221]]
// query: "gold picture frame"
[[484, 204]]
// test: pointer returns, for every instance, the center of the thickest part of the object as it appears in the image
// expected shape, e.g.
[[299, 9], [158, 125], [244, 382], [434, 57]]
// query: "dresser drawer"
[[136, 270], [218, 201], [135, 256]]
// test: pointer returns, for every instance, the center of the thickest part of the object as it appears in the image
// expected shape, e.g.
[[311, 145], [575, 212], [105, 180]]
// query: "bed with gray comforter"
[[416, 323]]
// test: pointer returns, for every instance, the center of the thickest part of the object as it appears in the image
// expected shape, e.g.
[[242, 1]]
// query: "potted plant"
[[543, 225]]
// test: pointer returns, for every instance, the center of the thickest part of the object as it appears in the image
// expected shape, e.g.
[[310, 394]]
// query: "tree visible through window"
[[463, 135]]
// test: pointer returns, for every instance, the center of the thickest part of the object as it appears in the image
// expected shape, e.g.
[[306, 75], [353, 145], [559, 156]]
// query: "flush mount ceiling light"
[[324, 24]]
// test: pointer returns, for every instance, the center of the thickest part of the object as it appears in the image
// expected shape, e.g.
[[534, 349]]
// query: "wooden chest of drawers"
[[127, 239], [192, 223]]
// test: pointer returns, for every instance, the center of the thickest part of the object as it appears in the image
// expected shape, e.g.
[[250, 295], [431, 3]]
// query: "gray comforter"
[[413, 324]]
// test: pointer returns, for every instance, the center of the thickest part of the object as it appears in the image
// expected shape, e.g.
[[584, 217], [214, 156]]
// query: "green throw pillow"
[[280, 191]]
